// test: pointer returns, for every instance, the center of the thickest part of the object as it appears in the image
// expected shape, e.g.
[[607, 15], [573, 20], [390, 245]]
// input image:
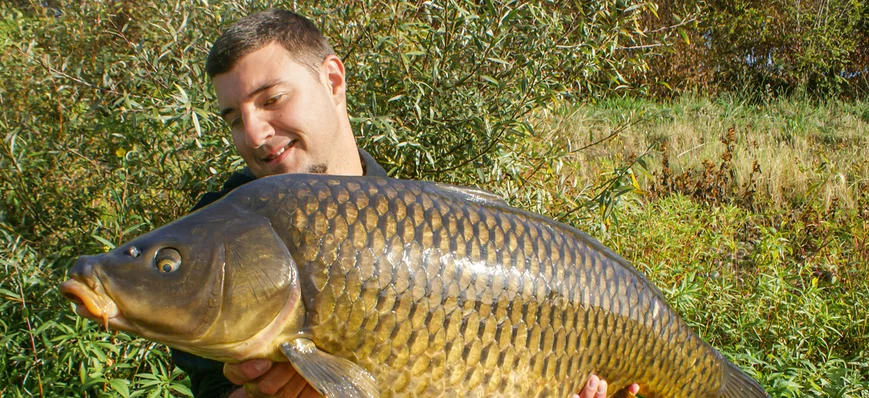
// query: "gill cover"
[[260, 278]]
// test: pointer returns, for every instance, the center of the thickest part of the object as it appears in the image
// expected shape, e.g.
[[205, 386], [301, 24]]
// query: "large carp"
[[374, 286]]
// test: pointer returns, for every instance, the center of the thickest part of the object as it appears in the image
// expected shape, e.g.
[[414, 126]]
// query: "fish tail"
[[737, 384]]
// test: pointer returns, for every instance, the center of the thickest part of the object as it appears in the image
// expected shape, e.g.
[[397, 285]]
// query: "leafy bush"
[[808, 46], [444, 89]]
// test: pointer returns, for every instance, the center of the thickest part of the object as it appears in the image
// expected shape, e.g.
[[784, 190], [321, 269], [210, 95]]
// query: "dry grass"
[[805, 151]]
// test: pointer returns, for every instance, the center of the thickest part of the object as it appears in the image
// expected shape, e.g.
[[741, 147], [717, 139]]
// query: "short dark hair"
[[295, 33]]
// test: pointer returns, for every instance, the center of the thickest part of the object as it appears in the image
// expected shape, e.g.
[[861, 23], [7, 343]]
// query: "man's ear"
[[333, 69]]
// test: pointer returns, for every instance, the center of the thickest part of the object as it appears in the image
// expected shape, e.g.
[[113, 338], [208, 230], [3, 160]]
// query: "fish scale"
[[564, 303], [427, 289]]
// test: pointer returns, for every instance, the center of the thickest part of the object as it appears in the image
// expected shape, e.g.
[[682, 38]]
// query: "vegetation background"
[[720, 146]]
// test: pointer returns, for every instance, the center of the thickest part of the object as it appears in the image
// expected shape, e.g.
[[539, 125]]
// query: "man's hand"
[[596, 388], [264, 378]]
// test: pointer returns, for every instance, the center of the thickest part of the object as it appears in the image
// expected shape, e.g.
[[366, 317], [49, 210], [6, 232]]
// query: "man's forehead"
[[258, 68]]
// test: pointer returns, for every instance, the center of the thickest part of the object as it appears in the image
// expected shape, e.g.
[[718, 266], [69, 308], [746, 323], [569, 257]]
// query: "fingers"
[[279, 380], [594, 388], [298, 387], [247, 371], [280, 376], [628, 392], [601, 389]]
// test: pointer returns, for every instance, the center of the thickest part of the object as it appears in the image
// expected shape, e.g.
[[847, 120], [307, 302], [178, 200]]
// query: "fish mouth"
[[88, 302]]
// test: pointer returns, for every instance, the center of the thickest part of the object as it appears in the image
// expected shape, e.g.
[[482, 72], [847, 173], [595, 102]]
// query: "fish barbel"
[[385, 287]]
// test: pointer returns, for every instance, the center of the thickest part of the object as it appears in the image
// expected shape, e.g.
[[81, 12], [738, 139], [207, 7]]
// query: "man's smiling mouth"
[[279, 152]]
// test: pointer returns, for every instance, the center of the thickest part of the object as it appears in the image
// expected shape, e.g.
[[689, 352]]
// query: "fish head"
[[204, 283]]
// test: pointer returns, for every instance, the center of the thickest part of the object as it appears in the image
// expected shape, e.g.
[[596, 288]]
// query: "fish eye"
[[167, 260]]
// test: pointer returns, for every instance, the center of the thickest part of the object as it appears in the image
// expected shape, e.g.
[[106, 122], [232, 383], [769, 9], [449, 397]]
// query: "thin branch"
[[30, 205], [684, 22], [606, 185], [73, 78], [29, 328], [616, 131], [640, 47], [62, 74]]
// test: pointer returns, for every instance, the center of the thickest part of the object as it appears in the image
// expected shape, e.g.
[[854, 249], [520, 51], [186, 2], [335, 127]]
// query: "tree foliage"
[[818, 48]]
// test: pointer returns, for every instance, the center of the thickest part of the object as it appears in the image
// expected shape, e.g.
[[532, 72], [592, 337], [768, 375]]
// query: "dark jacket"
[[206, 375]]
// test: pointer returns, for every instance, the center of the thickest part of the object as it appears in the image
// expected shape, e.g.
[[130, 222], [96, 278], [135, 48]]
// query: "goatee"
[[317, 169]]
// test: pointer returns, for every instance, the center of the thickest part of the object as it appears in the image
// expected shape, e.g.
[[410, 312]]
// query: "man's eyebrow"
[[263, 87]]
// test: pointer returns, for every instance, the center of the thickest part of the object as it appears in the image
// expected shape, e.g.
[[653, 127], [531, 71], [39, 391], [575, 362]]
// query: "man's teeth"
[[284, 149]]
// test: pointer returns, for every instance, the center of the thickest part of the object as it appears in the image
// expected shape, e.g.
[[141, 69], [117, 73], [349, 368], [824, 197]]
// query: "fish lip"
[[273, 153], [89, 302]]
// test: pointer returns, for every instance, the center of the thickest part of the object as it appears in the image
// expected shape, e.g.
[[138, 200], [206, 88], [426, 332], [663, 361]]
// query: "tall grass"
[[805, 150]]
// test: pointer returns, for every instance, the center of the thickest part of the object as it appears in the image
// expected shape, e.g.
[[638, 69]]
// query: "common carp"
[[375, 286]]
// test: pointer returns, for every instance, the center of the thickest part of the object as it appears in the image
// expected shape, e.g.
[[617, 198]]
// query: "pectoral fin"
[[332, 376]]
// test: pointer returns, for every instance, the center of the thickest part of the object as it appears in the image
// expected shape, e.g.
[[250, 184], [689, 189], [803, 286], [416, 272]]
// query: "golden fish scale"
[[443, 297]]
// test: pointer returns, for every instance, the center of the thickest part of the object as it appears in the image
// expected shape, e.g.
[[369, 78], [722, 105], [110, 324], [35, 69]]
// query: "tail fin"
[[737, 384]]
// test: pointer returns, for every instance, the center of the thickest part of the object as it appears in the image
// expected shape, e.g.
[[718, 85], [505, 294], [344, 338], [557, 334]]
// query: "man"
[[282, 90]]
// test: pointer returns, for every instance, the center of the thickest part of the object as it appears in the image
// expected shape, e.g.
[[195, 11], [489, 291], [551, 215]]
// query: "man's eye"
[[272, 100], [234, 122]]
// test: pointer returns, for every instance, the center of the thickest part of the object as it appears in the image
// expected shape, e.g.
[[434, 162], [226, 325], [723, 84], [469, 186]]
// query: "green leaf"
[[491, 80], [196, 125], [684, 34], [181, 389], [120, 386], [105, 242]]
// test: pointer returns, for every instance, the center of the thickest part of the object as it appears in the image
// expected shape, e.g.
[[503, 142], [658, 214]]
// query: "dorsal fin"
[[474, 195]]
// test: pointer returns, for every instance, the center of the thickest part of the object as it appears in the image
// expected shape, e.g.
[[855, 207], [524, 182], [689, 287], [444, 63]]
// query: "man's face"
[[283, 118]]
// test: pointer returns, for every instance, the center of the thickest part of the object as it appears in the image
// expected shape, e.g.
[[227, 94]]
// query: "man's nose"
[[257, 129]]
